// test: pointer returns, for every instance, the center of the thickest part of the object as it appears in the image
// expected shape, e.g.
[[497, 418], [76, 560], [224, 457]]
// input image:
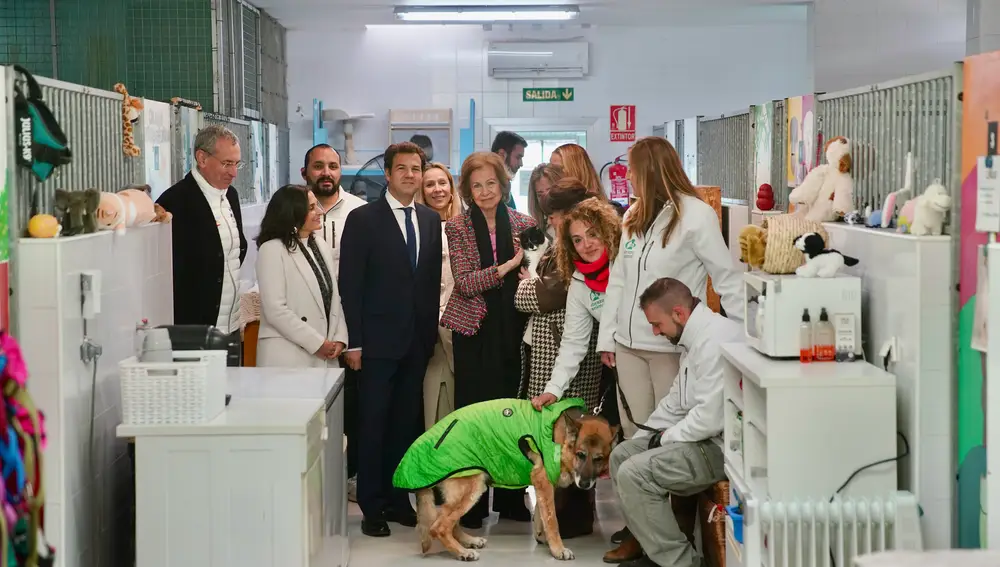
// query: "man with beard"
[[679, 449], [510, 146], [321, 171]]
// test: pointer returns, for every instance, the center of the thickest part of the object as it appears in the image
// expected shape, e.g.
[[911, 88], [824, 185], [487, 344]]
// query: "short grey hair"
[[208, 136]]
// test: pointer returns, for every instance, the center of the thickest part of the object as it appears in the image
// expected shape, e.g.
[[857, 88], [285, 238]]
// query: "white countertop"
[[265, 401], [246, 416], [293, 383], [947, 558], [771, 373]]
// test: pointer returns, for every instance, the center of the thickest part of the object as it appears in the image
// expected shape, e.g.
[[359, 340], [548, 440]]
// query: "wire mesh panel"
[[678, 126], [284, 158], [779, 156], [244, 182], [184, 124], [26, 28], [92, 121], [725, 154], [886, 121]]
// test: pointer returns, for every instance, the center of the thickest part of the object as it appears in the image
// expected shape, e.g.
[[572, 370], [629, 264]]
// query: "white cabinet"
[[245, 489], [798, 431]]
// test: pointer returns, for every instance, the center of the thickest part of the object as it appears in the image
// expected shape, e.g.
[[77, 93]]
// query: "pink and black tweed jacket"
[[466, 307]]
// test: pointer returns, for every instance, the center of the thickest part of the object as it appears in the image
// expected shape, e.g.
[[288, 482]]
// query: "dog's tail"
[[426, 516]]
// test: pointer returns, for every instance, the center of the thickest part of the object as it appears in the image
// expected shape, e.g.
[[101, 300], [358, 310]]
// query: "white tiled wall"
[[860, 42], [135, 283], [668, 72], [908, 294]]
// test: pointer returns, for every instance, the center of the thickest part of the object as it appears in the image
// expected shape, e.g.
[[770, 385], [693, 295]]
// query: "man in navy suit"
[[390, 283]]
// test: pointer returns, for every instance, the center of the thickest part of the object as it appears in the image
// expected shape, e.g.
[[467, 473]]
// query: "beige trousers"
[[439, 381], [644, 377]]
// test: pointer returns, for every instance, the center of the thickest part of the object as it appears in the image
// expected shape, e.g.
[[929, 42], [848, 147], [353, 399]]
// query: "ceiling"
[[317, 15]]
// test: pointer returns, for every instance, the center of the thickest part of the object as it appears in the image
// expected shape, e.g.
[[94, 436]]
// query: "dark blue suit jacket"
[[387, 304]]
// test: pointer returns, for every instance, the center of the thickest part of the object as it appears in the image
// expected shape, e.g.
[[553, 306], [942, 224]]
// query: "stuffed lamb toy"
[[930, 210], [827, 192]]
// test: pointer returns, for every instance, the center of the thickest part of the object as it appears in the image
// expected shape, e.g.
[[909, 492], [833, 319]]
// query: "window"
[[539, 150]]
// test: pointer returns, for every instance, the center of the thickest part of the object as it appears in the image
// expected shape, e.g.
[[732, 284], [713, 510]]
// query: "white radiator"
[[827, 534]]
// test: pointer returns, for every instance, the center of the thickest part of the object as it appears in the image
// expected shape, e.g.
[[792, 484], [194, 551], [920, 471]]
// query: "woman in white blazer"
[[301, 321], [668, 232], [439, 193]]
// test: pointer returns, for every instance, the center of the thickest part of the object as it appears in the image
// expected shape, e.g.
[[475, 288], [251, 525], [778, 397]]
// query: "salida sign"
[[623, 123], [549, 95]]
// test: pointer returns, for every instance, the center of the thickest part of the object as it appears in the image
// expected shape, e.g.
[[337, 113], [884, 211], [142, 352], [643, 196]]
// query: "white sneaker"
[[352, 489]]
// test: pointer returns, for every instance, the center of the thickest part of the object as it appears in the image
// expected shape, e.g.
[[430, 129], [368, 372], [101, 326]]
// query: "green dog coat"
[[485, 437]]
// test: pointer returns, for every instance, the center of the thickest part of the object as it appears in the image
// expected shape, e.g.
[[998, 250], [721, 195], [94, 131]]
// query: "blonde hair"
[[603, 218], [455, 205], [476, 161], [659, 180], [576, 163]]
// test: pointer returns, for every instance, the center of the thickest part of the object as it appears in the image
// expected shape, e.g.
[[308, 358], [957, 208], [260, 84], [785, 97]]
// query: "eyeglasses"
[[228, 164]]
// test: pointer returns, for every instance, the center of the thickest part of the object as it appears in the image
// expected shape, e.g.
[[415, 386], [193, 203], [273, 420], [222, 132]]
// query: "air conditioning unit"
[[538, 60]]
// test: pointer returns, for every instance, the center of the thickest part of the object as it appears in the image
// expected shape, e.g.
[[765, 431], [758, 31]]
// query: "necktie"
[[411, 237]]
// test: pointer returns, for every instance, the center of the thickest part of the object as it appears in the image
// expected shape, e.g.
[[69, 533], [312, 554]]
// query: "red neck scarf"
[[595, 274]]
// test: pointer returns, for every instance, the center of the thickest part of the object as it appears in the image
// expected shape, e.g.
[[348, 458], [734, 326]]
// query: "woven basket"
[[780, 255], [712, 514]]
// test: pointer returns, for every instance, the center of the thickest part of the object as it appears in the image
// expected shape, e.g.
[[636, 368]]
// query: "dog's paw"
[[475, 542], [562, 554], [468, 555]]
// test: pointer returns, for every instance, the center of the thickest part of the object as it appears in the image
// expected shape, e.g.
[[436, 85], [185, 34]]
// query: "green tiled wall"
[[158, 48], [26, 35]]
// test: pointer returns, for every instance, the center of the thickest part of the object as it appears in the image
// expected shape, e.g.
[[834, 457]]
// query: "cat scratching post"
[[713, 196]]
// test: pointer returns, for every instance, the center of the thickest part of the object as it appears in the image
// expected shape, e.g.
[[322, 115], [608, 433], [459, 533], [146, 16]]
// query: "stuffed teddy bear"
[[753, 243], [131, 207], [930, 209], [827, 192]]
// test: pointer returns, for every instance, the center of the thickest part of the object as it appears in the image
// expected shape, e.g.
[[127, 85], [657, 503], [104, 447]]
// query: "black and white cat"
[[821, 262], [533, 242]]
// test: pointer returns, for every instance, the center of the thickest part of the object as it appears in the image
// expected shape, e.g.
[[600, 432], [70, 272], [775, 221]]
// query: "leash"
[[625, 406]]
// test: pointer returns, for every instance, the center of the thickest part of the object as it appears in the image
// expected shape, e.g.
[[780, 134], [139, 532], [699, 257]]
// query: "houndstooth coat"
[[540, 297]]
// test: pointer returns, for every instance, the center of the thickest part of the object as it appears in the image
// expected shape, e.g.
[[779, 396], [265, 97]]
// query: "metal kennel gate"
[[725, 154]]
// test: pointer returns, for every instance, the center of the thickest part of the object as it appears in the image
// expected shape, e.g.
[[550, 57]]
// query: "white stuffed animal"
[[930, 210], [827, 192]]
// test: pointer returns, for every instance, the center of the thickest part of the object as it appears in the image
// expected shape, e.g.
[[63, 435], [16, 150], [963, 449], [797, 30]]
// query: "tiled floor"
[[510, 543]]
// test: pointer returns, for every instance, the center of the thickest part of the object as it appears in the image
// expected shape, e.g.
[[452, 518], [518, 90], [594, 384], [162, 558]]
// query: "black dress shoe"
[[376, 527], [643, 561], [406, 517], [620, 536]]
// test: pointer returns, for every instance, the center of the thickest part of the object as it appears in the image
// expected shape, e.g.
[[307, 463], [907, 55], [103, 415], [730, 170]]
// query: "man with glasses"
[[208, 242]]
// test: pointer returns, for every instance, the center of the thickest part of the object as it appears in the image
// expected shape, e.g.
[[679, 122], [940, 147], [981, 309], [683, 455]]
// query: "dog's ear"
[[615, 430], [572, 426]]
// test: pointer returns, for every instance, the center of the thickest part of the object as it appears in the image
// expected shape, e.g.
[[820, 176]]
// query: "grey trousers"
[[643, 479]]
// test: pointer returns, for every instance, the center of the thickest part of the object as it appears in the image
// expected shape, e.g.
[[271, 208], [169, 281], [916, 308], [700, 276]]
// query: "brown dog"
[[586, 443]]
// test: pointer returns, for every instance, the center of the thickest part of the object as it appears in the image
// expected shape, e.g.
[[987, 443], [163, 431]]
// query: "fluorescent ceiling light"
[[486, 14]]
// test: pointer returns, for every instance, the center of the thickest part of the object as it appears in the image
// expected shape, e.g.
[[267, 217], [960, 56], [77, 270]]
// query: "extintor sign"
[[623, 123], [620, 189]]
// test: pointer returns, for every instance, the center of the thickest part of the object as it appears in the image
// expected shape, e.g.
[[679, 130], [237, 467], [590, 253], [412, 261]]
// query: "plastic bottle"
[[805, 338], [138, 340], [823, 339]]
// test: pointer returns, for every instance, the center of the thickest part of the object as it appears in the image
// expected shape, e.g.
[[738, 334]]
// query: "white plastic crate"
[[192, 389]]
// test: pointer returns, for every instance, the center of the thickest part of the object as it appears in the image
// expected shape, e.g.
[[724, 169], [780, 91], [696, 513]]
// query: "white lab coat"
[[695, 251], [333, 224], [692, 410], [583, 308]]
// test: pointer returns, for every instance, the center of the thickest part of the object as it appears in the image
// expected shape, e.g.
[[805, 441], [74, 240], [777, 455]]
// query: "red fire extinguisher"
[[620, 187]]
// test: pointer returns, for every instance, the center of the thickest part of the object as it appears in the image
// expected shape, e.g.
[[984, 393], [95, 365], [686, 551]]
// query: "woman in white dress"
[[301, 321], [438, 192]]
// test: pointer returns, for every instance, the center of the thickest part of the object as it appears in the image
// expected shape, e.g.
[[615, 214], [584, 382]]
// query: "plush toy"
[[827, 192], [753, 243], [76, 211], [905, 217], [930, 210], [900, 197], [131, 207], [821, 262], [162, 215], [765, 197], [855, 218], [130, 113]]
